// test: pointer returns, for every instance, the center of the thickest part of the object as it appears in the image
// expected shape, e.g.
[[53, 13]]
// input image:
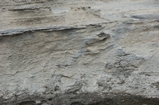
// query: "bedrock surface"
[[83, 52]]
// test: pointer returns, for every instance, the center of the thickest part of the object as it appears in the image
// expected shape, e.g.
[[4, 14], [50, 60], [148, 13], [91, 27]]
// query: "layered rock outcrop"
[[83, 52]]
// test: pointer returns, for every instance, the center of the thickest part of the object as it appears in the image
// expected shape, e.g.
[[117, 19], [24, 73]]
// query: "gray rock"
[[83, 52]]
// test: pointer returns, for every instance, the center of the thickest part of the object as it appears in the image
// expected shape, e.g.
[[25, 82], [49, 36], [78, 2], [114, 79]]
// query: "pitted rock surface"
[[83, 52]]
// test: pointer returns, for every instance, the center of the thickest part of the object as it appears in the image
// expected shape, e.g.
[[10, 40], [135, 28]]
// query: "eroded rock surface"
[[83, 52]]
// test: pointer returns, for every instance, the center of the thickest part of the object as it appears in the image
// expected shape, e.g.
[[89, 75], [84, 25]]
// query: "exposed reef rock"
[[83, 52]]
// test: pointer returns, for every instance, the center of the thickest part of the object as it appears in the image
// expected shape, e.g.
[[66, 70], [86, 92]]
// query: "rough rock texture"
[[79, 52]]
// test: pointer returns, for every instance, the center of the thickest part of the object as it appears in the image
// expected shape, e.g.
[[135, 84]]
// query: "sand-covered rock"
[[83, 52]]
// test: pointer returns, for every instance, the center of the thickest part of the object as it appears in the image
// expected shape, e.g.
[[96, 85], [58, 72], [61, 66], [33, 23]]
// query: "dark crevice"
[[89, 99], [128, 101], [28, 103], [77, 103]]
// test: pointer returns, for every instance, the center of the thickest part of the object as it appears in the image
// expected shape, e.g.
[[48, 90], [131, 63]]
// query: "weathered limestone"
[[83, 52]]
